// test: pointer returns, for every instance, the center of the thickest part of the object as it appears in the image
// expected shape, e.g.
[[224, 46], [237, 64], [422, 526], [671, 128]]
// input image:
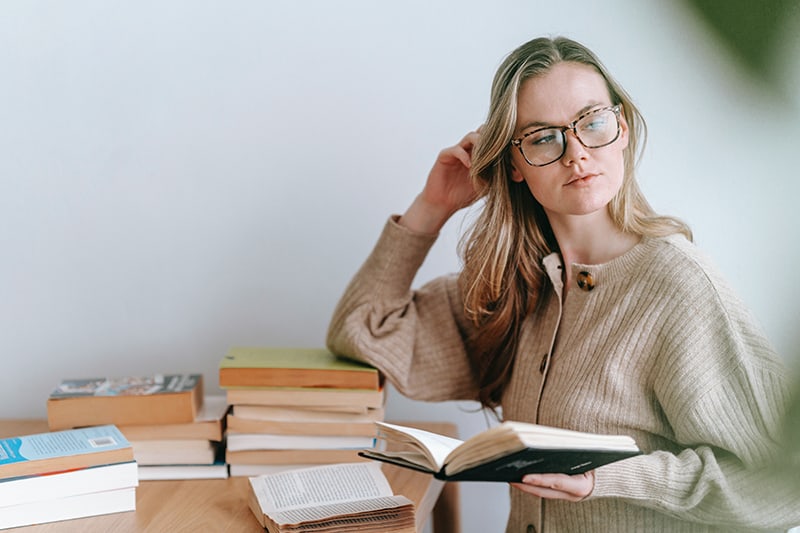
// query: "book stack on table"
[[176, 432], [63, 475], [293, 407]]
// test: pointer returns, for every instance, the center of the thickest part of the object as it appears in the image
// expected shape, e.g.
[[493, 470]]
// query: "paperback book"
[[263, 441], [217, 470], [208, 425], [294, 367], [350, 400], [292, 457], [170, 452], [333, 498], [39, 487], [158, 399], [68, 508], [59, 451]]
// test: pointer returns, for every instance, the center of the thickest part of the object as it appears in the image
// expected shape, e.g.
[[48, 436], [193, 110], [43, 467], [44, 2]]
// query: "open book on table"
[[343, 497], [503, 453]]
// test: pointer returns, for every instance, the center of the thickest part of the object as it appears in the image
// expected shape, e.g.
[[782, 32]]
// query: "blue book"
[[62, 451]]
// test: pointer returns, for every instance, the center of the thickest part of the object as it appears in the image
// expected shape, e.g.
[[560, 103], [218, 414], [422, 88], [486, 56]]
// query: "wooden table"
[[220, 505]]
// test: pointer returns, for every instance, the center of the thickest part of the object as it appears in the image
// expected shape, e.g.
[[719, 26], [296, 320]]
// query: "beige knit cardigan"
[[660, 349]]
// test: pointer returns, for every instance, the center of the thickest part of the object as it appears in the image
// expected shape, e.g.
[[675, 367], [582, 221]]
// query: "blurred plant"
[[752, 31]]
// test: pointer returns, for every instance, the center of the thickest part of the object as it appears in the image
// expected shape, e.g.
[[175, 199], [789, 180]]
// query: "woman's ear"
[[516, 175], [623, 126]]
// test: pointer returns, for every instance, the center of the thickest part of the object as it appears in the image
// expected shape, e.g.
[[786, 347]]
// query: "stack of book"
[[64, 475], [189, 450], [293, 407], [175, 431]]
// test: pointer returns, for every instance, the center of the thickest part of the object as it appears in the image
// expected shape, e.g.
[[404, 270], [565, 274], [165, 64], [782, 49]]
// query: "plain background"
[[179, 177]]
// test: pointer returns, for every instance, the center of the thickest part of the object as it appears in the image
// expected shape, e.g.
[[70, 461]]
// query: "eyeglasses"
[[595, 129]]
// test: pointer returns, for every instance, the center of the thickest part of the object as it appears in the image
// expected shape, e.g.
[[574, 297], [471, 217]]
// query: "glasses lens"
[[543, 146], [598, 128]]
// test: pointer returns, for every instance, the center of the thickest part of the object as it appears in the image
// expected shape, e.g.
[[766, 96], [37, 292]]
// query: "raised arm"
[[416, 337]]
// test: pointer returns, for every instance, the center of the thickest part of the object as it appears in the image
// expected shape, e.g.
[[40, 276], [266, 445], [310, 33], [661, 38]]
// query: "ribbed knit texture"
[[660, 350]]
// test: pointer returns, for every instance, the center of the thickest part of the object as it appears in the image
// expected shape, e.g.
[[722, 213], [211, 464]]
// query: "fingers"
[[463, 150], [469, 140], [558, 486]]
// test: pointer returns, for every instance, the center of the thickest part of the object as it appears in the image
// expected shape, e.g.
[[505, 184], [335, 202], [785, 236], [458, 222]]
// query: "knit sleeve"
[[415, 337], [723, 392]]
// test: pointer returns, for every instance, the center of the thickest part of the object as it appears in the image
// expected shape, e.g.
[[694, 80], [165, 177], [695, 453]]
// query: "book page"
[[436, 447], [345, 513], [317, 486]]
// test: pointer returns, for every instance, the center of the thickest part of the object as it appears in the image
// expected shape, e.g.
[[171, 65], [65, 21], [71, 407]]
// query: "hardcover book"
[[46, 453], [503, 453], [158, 399], [294, 367]]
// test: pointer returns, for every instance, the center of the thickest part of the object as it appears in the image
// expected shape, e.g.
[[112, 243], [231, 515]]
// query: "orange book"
[[209, 425], [298, 421], [159, 399], [289, 457], [359, 400]]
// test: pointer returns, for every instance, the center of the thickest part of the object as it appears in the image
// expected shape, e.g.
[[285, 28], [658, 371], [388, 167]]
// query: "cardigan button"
[[530, 529], [585, 280]]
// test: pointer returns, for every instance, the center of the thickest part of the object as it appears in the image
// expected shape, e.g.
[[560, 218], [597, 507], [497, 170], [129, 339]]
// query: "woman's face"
[[584, 180]]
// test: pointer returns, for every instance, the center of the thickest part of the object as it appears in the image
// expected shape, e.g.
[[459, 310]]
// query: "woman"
[[577, 307]]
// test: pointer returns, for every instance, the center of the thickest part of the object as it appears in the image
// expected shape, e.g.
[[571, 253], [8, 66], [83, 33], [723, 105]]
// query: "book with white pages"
[[68, 508], [502, 453], [333, 498], [170, 452], [263, 441], [218, 470], [27, 489], [252, 470]]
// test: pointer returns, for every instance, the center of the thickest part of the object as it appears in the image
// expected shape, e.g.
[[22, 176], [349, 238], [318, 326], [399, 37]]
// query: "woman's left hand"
[[558, 486]]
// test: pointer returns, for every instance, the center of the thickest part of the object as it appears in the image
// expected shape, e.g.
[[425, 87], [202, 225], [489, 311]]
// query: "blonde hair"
[[502, 253]]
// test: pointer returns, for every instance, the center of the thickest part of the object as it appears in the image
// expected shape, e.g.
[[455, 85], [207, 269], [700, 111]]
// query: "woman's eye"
[[543, 139], [595, 124]]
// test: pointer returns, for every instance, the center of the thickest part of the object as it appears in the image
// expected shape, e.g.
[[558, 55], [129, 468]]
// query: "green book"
[[294, 367]]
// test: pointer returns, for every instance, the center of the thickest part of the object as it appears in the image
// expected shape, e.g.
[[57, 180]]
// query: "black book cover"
[[513, 467]]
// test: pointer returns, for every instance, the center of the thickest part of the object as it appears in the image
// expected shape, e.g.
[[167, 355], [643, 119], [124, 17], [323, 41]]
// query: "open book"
[[332, 498], [503, 453]]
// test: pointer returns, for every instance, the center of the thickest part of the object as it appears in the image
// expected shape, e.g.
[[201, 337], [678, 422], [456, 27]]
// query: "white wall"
[[178, 177]]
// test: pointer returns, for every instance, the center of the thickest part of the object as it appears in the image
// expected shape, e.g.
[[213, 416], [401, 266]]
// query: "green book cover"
[[301, 358]]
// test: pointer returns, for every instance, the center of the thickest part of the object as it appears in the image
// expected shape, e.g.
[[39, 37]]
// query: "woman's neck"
[[590, 240]]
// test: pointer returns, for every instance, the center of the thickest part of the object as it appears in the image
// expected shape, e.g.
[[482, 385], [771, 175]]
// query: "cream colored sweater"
[[660, 350]]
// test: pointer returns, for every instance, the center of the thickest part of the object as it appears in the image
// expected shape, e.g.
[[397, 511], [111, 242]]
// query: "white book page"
[[214, 408], [317, 486], [342, 513], [438, 446]]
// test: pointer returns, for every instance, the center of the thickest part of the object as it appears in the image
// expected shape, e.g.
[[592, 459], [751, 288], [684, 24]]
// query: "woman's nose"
[[575, 150]]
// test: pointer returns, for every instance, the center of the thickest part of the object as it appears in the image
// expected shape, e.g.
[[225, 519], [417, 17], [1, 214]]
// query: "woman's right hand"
[[447, 189]]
